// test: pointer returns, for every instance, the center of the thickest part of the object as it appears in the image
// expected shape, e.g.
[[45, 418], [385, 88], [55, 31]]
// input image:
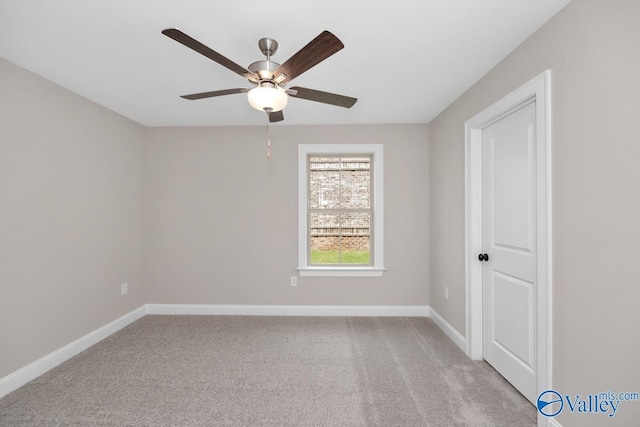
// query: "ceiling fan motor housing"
[[264, 69]]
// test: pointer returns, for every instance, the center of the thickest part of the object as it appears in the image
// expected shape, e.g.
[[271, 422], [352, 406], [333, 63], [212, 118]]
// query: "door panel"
[[512, 299], [509, 276], [512, 225]]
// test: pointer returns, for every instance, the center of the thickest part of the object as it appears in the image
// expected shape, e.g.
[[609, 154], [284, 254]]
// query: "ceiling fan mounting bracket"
[[268, 46]]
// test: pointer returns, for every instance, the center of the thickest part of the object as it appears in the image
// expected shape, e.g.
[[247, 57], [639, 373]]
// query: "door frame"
[[538, 89]]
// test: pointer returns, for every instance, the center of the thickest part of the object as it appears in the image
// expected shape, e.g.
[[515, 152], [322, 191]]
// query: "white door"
[[508, 238]]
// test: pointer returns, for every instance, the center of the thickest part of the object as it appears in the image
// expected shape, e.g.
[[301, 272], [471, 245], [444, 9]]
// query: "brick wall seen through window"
[[340, 209]]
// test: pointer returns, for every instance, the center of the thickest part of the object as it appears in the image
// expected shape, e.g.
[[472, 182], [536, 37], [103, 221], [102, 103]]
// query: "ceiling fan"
[[269, 93]]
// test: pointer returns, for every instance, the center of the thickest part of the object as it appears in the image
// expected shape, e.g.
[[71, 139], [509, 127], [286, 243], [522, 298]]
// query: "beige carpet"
[[270, 371]]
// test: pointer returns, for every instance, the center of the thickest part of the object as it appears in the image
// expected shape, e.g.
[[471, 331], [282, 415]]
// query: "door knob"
[[483, 257]]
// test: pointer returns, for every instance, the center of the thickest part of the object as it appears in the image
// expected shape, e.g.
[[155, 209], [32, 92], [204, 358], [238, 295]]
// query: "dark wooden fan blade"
[[318, 49], [202, 95], [194, 44], [276, 116], [324, 97]]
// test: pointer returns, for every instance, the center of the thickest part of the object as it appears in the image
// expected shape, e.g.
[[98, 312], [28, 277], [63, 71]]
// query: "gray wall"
[[592, 49], [91, 200], [69, 217], [221, 219]]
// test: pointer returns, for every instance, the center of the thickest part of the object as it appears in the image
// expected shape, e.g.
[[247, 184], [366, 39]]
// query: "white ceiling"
[[405, 60]]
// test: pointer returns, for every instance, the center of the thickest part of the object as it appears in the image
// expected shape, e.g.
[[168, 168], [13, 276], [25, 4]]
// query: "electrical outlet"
[[294, 281], [446, 293], [124, 288]]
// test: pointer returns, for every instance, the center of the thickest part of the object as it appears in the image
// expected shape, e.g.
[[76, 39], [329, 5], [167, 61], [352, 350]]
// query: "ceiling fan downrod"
[[265, 69]]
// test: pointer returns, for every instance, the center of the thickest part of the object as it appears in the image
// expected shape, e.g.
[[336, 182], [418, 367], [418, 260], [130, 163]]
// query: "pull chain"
[[268, 141]]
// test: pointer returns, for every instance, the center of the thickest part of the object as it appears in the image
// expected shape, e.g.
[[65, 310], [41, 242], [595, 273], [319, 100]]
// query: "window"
[[340, 210]]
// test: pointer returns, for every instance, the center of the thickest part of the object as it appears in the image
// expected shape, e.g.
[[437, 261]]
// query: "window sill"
[[341, 271]]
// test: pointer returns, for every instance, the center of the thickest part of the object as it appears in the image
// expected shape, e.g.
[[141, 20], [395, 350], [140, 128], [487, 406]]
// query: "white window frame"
[[377, 266]]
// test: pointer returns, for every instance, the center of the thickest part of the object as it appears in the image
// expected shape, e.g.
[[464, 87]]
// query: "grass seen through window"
[[339, 257]]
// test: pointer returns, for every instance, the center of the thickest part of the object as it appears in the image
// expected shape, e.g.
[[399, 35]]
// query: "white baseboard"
[[291, 310], [449, 330], [32, 371]]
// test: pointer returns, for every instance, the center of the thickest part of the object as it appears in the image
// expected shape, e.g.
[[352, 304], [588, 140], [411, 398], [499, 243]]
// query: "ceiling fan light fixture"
[[270, 99]]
